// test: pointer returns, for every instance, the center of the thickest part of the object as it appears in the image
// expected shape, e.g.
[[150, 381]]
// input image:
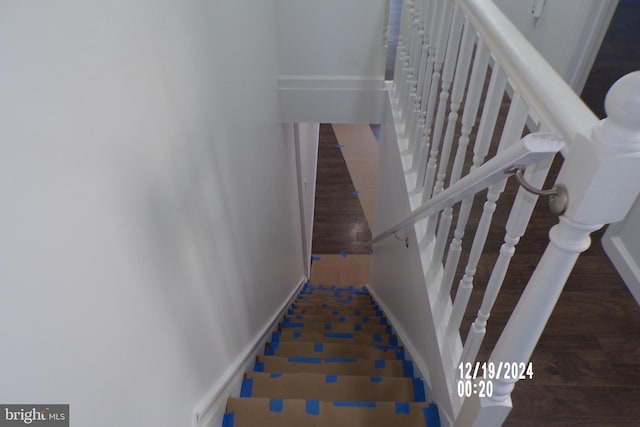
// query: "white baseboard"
[[210, 410]]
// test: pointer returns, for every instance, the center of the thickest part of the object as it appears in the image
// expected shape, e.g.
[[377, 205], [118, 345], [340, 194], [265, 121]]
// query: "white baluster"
[[600, 194], [457, 93], [519, 218], [447, 78], [511, 132]]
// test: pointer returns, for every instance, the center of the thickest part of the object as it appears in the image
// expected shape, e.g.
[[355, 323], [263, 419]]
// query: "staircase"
[[332, 362]]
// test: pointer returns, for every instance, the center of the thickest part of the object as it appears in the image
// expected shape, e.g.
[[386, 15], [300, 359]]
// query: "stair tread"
[[335, 319], [333, 303], [360, 338], [319, 365], [303, 385], [369, 311], [289, 348], [335, 327], [295, 412], [333, 362]]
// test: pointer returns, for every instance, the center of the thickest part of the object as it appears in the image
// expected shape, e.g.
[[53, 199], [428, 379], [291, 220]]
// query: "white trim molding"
[[210, 410]]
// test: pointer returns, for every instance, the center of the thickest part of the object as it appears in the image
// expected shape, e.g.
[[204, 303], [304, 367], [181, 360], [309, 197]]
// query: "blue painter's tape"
[[228, 419], [388, 330], [315, 258], [290, 311], [275, 338], [312, 407], [357, 312], [431, 417], [297, 334], [407, 369], [383, 321], [399, 354], [318, 347], [376, 379], [342, 335], [377, 337], [330, 379], [247, 387], [340, 359], [325, 305], [365, 319], [303, 359], [418, 390], [270, 350], [299, 317], [340, 146], [380, 363], [393, 340], [402, 408], [287, 324], [275, 375], [355, 193], [342, 319], [258, 367], [304, 310], [343, 254], [353, 404], [334, 312], [275, 405], [357, 327], [327, 326]]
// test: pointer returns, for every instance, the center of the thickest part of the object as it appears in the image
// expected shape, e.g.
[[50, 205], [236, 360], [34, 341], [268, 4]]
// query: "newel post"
[[602, 174]]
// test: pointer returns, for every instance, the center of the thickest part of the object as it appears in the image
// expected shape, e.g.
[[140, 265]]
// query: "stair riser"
[[287, 348], [319, 327], [332, 387], [339, 338], [273, 413], [380, 367], [371, 312], [335, 319]]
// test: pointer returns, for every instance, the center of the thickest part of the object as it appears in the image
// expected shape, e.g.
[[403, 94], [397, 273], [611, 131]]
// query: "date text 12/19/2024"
[[477, 378]]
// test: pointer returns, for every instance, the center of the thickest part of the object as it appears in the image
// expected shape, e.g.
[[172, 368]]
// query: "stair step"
[[359, 338], [332, 387], [332, 287], [292, 348], [369, 311], [319, 365], [297, 412], [334, 304], [329, 318], [328, 297], [354, 291], [335, 327]]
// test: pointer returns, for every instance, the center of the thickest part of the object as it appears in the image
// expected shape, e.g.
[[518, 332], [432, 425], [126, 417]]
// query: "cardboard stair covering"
[[333, 362]]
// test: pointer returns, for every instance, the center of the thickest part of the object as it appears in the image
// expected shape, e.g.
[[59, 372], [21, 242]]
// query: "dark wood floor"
[[339, 224], [587, 363]]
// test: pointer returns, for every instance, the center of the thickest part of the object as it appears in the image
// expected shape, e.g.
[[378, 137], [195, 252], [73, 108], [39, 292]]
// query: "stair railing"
[[451, 56], [530, 150]]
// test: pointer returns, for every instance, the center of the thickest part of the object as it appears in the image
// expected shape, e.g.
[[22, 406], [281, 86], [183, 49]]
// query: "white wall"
[[332, 60], [150, 220], [568, 34], [306, 140], [397, 273]]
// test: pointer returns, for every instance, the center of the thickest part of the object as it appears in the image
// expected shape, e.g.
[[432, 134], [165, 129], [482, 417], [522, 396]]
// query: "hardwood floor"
[[339, 222], [587, 362]]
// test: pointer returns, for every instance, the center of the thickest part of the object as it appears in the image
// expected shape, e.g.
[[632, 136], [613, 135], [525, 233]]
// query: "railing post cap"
[[621, 128]]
